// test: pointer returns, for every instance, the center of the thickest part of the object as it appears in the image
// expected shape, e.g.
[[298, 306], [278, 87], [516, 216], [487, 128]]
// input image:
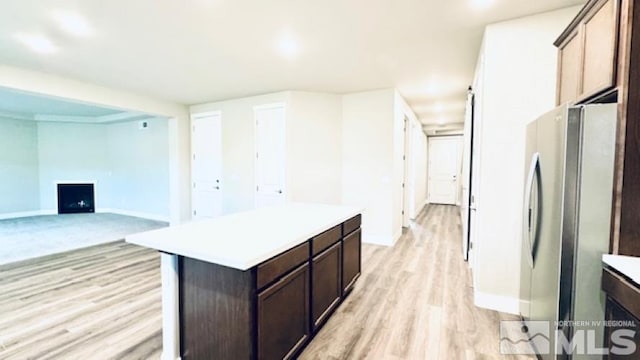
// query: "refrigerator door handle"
[[526, 227]]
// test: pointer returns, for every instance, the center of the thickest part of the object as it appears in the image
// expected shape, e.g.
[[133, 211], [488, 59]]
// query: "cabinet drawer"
[[326, 239], [351, 255], [283, 316], [622, 291], [351, 225], [326, 274], [274, 268]]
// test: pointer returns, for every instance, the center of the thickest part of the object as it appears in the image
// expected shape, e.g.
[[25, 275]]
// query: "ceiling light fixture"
[[432, 88], [73, 23], [37, 43], [287, 45], [481, 4]]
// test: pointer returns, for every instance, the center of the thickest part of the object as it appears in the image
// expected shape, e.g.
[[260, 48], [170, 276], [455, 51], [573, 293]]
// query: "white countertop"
[[244, 240], [628, 266]]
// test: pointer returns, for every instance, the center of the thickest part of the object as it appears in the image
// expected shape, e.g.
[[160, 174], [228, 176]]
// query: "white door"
[[206, 165], [467, 160], [443, 169], [270, 155]]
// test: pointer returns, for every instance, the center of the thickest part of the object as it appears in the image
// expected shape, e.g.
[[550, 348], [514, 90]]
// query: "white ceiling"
[[27, 106], [17, 102], [193, 51]]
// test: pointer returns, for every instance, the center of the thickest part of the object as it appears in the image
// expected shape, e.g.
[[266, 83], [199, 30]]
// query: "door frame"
[[274, 105], [460, 140], [192, 117], [407, 191], [470, 188]]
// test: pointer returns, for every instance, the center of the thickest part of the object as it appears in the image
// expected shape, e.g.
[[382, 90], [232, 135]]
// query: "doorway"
[[444, 169], [270, 166], [206, 165], [467, 201]]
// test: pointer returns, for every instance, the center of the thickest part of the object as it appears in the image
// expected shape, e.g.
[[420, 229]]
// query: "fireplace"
[[75, 198]]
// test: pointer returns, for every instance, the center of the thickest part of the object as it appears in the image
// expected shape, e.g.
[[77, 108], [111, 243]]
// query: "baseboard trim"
[[376, 239], [169, 357], [21, 214], [142, 215], [422, 207], [138, 214], [505, 304], [396, 237]]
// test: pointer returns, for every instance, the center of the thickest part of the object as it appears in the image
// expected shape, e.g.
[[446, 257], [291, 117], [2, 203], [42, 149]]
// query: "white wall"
[[314, 147], [19, 188], [459, 164], [418, 170], [179, 135], [518, 84], [340, 149], [372, 165], [138, 160], [130, 166], [401, 111], [71, 153], [238, 147], [367, 161]]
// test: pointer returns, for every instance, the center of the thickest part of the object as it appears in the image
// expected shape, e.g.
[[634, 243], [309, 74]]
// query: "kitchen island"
[[257, 284]]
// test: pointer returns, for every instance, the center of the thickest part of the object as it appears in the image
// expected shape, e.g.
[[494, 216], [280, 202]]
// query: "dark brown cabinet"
[[270, 311], [283, 316], [623, 308], [621, 316], [569, 60], [279, 265], [587, 52], [599, 59], [327, 283], [351, 259]]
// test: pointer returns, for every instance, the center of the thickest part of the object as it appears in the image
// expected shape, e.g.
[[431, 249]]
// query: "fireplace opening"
[[75, 198]]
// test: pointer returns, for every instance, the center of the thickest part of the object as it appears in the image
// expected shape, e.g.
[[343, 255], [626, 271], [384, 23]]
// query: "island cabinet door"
[[351, 260], [326, 284], [283, 316]]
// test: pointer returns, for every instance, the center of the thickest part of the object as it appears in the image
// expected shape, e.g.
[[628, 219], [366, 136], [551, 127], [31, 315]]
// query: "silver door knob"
[[217, 187], [279, 191]]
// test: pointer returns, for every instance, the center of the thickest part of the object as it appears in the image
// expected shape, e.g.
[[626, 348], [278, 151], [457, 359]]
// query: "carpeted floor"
[[30, 237]]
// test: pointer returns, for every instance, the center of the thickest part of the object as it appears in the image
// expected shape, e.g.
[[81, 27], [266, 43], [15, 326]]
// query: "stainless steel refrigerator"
[[566, 216]]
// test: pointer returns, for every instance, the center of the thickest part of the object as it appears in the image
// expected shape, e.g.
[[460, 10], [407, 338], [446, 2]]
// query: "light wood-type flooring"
[[413, 301], [101, 302]]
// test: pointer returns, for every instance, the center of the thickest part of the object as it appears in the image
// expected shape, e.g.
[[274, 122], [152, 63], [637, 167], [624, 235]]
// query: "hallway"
[[413, 301]]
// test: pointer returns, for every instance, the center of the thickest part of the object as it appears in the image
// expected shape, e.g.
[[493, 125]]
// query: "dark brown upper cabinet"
[[587, 56]]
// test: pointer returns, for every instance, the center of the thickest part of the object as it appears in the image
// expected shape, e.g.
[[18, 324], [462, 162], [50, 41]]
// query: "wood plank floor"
[[413, 301], [101, 302]]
